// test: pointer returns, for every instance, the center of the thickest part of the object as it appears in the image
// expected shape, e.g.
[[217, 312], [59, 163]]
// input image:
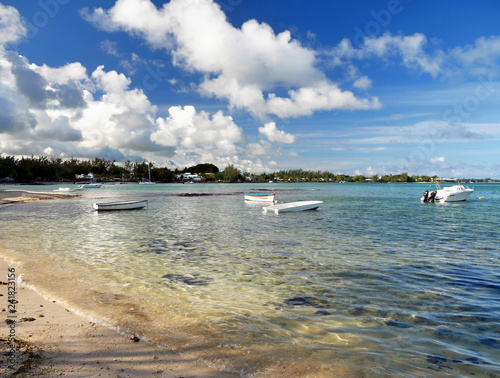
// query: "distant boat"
[[260, 197], [455, 193], [91, 185], [124, 205], [293, 206], [66, 189], [148, 180]]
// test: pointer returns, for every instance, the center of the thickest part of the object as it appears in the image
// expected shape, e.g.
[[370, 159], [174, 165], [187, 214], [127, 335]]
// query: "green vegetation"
[[41, 169]]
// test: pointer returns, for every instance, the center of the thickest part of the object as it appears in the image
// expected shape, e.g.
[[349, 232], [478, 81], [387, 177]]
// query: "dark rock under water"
[[188, 279]]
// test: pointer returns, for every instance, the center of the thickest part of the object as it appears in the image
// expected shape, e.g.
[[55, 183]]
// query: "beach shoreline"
[[8, 196], [45, 337]]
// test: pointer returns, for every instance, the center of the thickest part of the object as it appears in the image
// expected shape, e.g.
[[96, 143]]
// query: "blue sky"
[[365, 87]]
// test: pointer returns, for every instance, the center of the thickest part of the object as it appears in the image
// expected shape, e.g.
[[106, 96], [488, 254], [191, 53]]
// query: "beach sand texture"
[[12, 195], [52, 340]]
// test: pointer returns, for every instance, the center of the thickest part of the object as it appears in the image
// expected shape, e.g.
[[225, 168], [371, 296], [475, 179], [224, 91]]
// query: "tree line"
[[40, 169]]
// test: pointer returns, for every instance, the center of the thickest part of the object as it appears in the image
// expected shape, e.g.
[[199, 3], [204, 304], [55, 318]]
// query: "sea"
[[372, 283]]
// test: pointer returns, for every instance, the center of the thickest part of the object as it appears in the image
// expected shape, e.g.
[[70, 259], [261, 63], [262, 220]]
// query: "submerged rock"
[[489, 341], [396, 323], [322, 312], [299, 301], [192, 280], [305, 300], [436, 359]]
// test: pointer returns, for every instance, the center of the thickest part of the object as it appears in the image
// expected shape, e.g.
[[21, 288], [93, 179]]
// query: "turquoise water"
[[373, 281]]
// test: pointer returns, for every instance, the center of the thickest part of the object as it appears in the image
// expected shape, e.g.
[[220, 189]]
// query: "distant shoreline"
[[8, 196]]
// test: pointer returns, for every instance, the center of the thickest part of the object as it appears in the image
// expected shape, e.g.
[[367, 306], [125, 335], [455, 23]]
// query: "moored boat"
[[123, 205], [293, 206], [65, 189], [455, 193], [91, 185], [268, 197]]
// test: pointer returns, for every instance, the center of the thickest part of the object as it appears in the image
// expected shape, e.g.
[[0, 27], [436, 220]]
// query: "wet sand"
[[13, 195], [52, 340]]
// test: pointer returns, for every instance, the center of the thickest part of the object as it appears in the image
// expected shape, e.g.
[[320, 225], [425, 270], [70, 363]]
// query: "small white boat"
[[147, 183], [124, 205], [293, 206], [455, 193], [66, 189], [91, 185], [260, 197]]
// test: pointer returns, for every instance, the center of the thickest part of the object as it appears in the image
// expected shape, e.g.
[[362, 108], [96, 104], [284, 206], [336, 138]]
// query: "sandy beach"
[[13, 195], [43, 337], [52, 340]]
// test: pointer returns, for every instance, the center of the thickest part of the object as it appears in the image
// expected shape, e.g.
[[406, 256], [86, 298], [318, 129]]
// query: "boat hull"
[[456, 193], [293, 207], [260, 197], [126, 205], [453, 197]]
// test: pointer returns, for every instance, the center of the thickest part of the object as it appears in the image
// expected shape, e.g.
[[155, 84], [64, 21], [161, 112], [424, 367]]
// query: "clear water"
[[374, 281]]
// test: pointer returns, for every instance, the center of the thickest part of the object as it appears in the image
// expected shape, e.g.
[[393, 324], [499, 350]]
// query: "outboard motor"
[[432, 195], [426, 194]]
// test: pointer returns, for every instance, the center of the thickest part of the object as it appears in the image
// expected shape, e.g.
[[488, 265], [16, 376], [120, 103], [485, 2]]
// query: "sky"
[[354, 87]]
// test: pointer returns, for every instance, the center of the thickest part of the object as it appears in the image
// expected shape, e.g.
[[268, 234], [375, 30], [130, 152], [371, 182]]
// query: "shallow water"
[[373, 281]]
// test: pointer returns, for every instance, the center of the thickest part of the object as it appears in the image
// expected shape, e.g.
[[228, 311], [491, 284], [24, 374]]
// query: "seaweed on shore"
[[28, 359]]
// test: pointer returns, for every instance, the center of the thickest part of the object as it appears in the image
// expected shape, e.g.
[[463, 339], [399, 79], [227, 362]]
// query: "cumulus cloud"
[[242, 65], [64, 111], [185, 127], [271, 132], [11, 27]]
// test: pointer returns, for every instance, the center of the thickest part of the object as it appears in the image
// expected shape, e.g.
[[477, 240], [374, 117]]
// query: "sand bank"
[[52, 340], [14, 195]]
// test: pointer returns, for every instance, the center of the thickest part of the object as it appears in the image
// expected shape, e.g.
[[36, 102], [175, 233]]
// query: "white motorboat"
[[65, 189], [91, 185], [269, 197], [124, 205], [293, 206], [455, 193]]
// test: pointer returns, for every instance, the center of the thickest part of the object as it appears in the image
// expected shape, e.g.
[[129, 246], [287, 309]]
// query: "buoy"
[[481, 197]]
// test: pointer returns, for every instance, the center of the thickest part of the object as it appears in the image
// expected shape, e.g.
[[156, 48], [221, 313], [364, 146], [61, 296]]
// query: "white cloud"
[[242, 65], [72, 72], [63, 111], [186, 128], [410, 49], [271, 132], [11, 27], [362, 83], [480, 58], [439, 162], [419, 56]]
